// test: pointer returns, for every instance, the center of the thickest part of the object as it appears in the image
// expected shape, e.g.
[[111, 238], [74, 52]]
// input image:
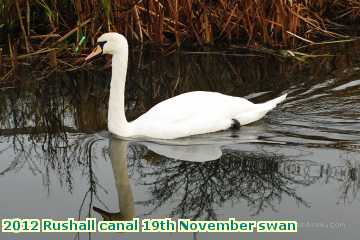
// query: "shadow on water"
[[299, 161]]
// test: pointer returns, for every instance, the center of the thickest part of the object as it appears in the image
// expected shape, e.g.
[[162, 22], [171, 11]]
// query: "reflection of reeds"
[[152, 79], [82, 95], [48, 117], [258, 179], [37, 23], [250, 177]]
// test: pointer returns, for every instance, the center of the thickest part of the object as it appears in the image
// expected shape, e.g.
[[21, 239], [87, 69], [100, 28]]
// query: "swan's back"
[[195, 103]]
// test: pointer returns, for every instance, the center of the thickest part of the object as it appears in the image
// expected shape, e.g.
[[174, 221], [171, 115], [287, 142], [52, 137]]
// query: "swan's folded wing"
[[189, 105], [191, 113]]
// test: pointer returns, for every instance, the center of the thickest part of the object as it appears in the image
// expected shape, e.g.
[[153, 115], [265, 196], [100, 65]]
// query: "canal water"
[[301, 162]]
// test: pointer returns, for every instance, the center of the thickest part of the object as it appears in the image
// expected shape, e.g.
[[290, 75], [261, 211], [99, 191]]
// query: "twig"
[[7, 75], [27, 44], [45, 50], [73, 31], [301, 38], [50, 35], [327, 42]]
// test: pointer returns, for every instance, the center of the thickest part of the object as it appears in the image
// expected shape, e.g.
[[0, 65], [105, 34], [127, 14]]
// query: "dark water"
[[299, 163]]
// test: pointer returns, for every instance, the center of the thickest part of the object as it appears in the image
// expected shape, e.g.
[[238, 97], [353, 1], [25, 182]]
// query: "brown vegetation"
[[33, 24], [65, 28]]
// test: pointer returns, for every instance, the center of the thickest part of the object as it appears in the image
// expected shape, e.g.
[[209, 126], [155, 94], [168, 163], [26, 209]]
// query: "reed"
[[28, 26]]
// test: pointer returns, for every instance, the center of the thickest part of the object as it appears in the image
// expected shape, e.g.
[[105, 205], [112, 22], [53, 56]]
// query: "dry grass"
[[66, 28], [278, 23]]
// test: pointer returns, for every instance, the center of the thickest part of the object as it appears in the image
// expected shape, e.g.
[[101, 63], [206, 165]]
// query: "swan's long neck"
[[117, 122]]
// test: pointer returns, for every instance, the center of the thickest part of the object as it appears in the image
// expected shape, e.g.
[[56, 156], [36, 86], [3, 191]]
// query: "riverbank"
[[62, 32], [31, 25]]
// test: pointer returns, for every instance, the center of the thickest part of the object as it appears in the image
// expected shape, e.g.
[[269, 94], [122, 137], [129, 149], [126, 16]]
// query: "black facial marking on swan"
[[101, 44]]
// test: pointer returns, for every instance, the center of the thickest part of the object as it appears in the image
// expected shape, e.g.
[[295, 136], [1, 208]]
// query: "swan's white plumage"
[[198, 113], [187, 114]]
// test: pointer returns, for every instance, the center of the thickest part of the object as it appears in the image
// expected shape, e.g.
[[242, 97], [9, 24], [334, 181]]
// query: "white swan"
[[187, 114]]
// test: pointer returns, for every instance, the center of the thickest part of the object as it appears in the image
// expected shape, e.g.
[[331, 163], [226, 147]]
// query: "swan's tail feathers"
[[272, 103], [260, 111]]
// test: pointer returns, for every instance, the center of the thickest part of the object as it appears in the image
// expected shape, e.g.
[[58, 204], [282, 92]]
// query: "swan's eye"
[[101, 44]]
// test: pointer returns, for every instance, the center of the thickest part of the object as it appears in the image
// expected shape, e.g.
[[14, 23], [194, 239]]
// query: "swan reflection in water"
[[183, 174], [119, 162]]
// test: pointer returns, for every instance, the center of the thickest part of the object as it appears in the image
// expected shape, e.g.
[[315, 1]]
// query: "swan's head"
[[110, 43]]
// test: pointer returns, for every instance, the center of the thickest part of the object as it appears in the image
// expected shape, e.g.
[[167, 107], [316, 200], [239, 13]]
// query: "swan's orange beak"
[[97, 50]]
